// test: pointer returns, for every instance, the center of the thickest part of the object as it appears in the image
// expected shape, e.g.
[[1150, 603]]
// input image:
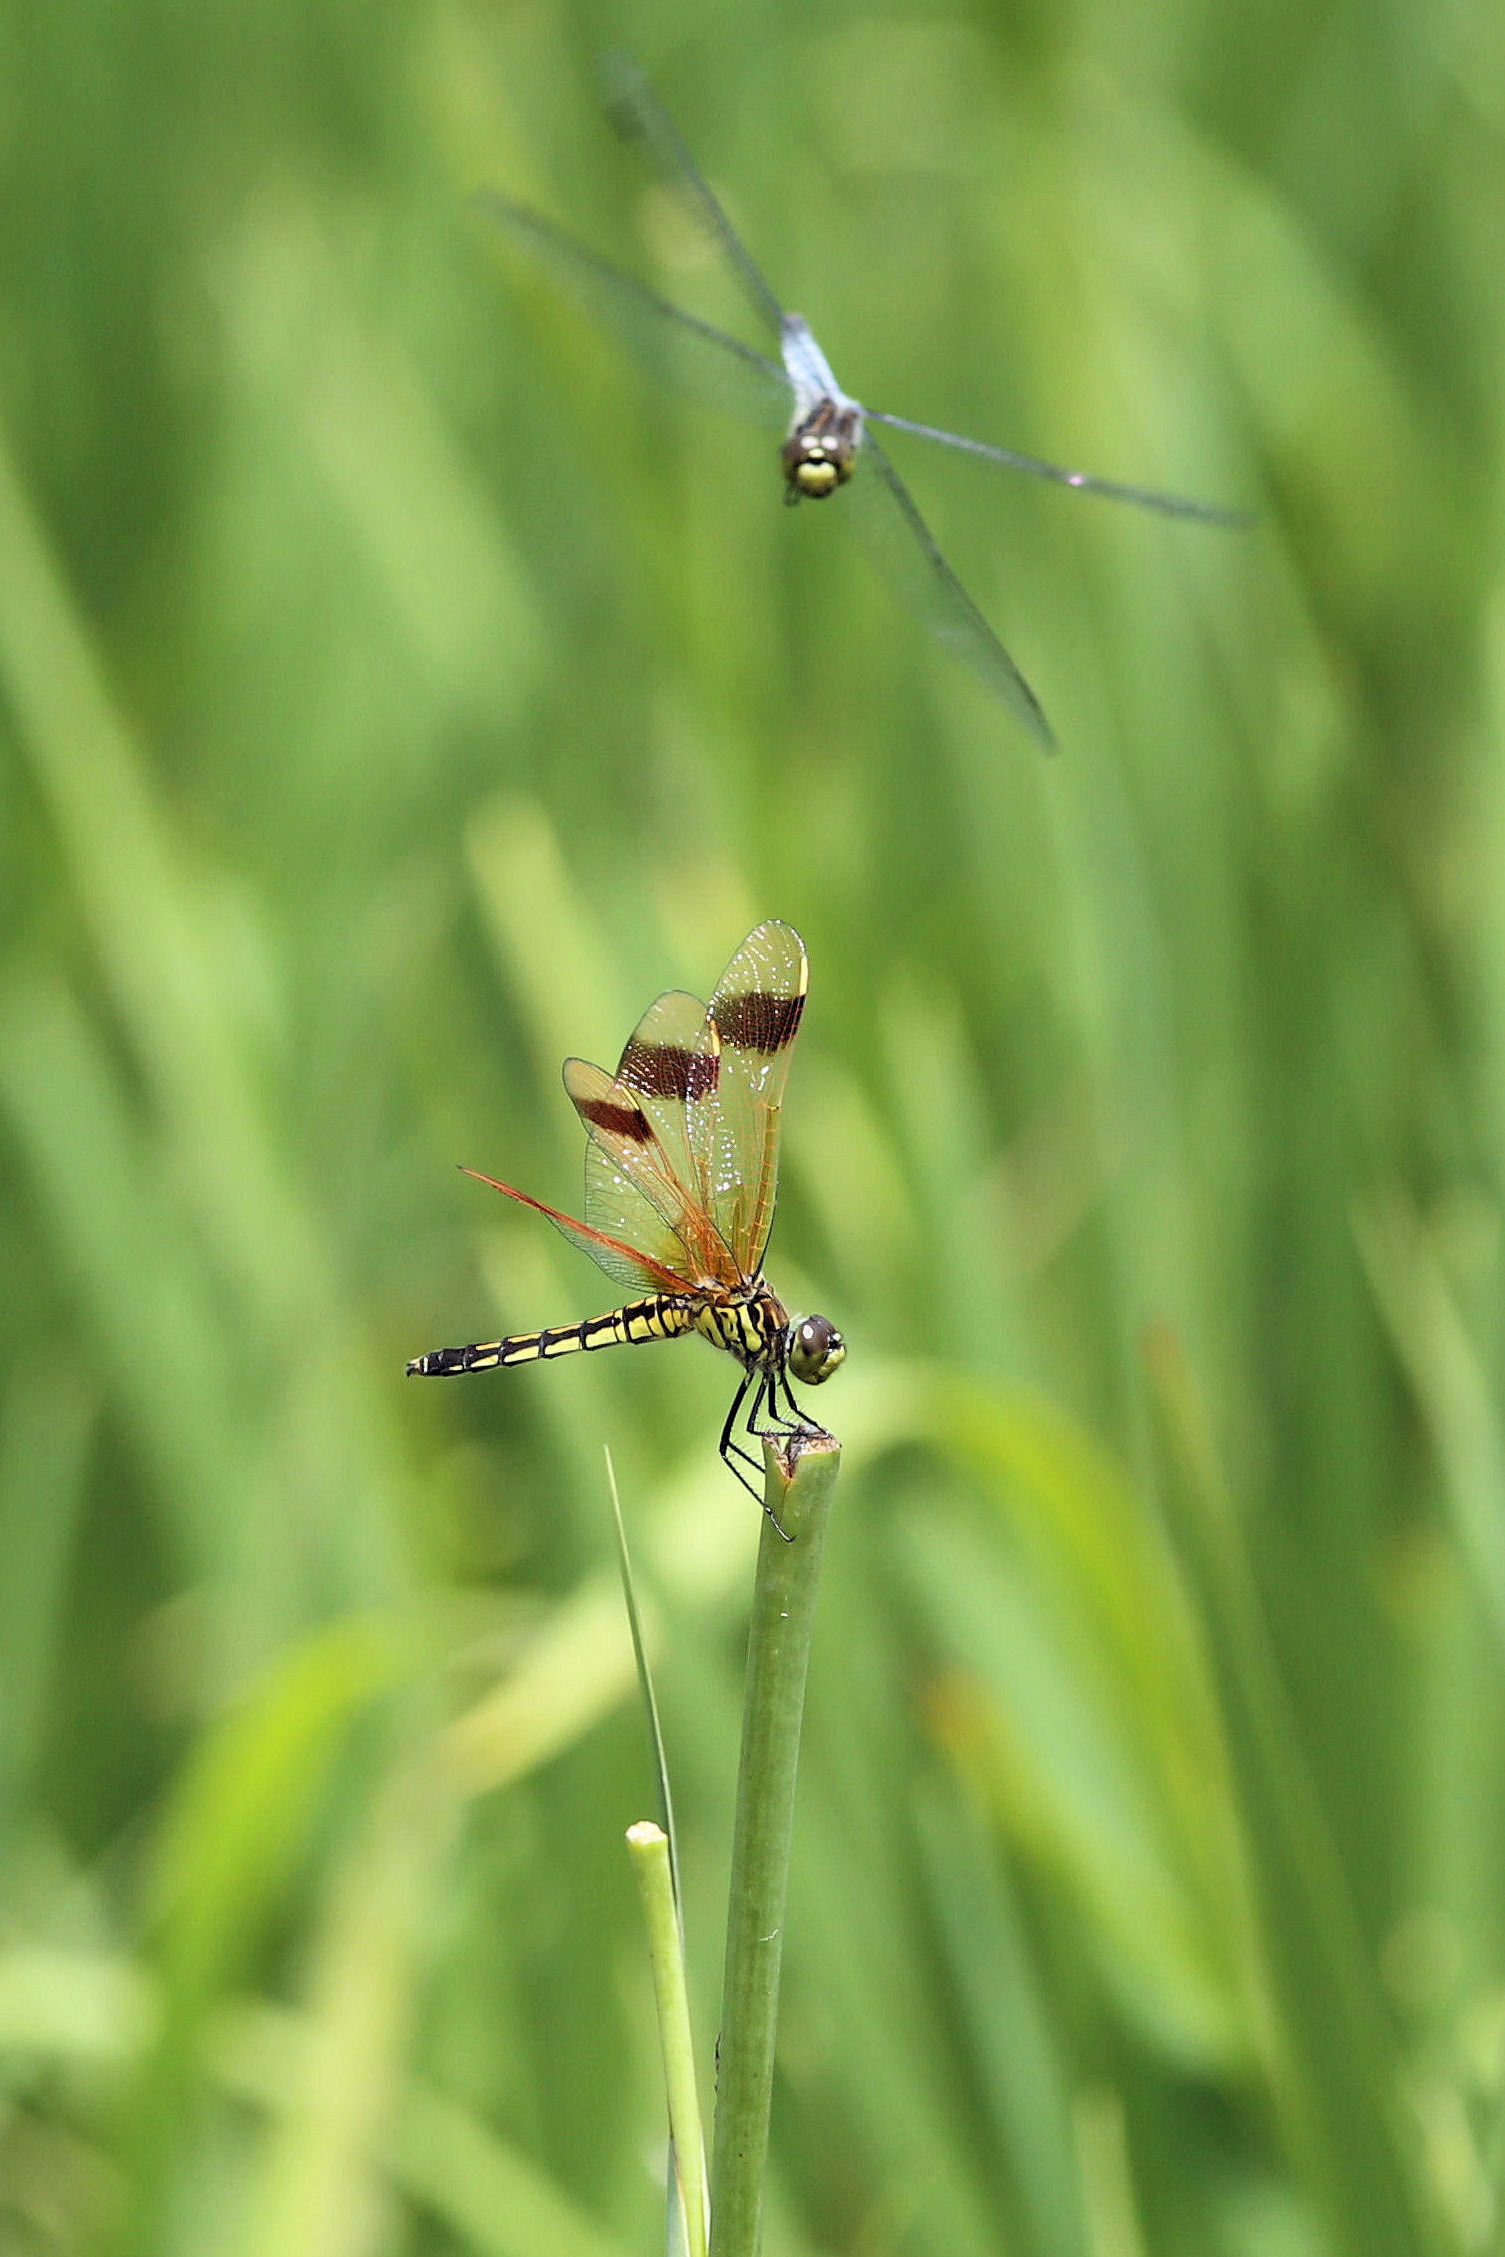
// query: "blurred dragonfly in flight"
[[826, 430]]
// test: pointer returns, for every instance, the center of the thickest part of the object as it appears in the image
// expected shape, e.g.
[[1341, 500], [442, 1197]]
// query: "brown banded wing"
[[639, 1184], [640, 1154], [682, 1158], [733, 1125], [668, 1060]]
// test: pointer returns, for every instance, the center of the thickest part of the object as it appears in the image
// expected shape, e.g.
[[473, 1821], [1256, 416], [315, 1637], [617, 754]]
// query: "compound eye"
[[816, 1349]]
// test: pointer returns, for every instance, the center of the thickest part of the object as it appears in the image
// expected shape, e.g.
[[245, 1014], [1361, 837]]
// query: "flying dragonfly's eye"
[[815, 1350]]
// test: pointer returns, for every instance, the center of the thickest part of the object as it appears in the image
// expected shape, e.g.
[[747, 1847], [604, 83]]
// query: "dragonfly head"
[[816, 1349], [820, 452]]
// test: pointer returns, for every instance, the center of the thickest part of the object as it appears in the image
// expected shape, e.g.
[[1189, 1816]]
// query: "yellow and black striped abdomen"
[[660, 1317]]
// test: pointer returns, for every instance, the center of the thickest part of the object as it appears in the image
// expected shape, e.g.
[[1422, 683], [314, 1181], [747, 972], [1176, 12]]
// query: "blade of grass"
[[645, 1680], [648, 1846], [655, 1859]]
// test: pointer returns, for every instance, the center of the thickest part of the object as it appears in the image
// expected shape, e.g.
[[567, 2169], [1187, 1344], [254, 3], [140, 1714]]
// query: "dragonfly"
[[827, 432], [681, 1177]]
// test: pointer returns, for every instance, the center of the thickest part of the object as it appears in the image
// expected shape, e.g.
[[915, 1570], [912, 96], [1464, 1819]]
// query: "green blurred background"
[[395, 695]]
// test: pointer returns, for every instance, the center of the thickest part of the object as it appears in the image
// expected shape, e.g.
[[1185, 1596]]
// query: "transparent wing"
[[1142, 497], [634, 1268], [673, 348], [638, 115], [877, 505], [734, 1119], [669, 1054], [640, 1183]]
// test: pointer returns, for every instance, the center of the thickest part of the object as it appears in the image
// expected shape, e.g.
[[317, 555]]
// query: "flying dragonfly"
[[681, 1175], [826, 431]]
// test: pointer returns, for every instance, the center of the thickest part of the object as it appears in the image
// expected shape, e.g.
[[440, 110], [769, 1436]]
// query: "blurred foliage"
[[394, 696]]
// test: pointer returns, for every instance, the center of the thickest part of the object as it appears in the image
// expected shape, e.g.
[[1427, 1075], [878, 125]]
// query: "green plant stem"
[[648, 1846], [778, 1653]]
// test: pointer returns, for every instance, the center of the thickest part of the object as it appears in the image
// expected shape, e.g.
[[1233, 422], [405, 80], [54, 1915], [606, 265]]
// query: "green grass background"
[[394, 696]]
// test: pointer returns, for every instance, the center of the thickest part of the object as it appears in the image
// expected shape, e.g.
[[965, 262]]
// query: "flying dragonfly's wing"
[[670, 345], [1142, 497], [877, 504], [734, 1115], [637, 113]]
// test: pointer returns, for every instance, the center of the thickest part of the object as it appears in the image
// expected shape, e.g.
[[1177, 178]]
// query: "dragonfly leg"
[[766, 1405], [802, 1424], [731, 1451]]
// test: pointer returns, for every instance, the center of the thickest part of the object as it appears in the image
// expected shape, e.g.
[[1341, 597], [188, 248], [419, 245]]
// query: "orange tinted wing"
[[638, 1179], [734, 1118], [664, 1059], [631, 1266]]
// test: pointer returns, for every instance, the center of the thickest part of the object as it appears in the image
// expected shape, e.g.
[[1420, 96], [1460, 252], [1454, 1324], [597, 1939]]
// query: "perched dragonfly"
[[826, 430], [681, 1174]]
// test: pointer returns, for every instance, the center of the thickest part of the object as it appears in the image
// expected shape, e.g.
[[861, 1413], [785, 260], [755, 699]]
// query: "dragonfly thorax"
[[754, 1327]]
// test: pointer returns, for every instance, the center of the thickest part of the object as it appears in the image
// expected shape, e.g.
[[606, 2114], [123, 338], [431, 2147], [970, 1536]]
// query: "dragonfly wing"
[[1142, 497], [638, 115], [670, 1067], [668, 1057], [896, 537], [640, 1184], [629, 1266], [734, 1119], [673, 348]]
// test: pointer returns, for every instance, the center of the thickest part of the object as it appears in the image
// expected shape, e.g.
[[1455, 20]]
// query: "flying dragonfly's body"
[[681, 1176], [826, 431]]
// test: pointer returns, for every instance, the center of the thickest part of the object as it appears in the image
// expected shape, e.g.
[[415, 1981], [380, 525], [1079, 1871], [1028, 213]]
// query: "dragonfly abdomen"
[[661, 1317]]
